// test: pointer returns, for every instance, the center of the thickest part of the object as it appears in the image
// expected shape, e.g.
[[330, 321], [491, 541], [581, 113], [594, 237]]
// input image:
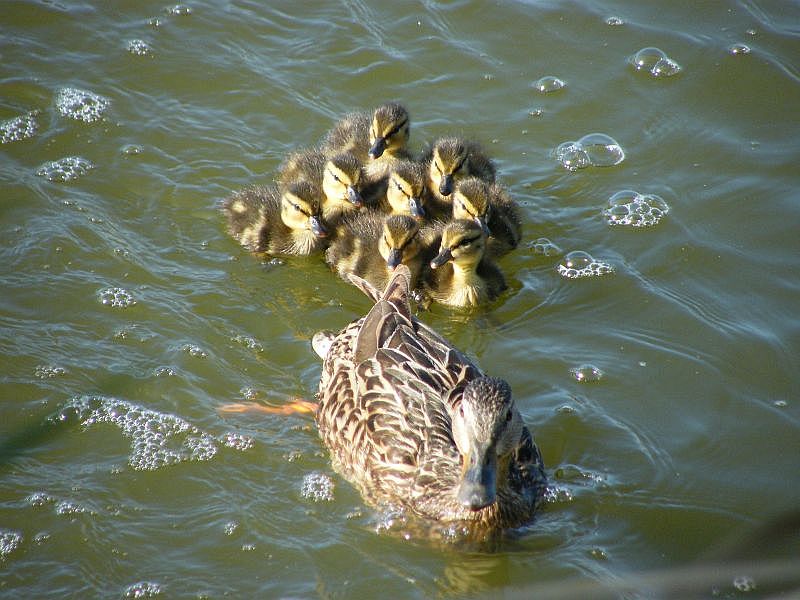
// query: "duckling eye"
[[461, 410], [438, 168], [296, 207], [336, 177], [508, 416]]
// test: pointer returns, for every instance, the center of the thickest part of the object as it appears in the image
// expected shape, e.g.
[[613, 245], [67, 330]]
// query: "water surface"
[[662, 388]]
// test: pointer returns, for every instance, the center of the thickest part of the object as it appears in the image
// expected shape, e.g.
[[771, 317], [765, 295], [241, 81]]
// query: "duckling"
[[262, 219], [450, 159], [371, 245], [339, 177], [378, 140], [493, 209], [461, 274], [406, 193]]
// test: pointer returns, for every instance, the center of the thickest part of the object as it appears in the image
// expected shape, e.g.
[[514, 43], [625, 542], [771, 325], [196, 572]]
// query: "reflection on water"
[[662, 394]]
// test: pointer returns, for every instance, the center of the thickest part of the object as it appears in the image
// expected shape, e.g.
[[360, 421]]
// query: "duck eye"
[[508, 416]]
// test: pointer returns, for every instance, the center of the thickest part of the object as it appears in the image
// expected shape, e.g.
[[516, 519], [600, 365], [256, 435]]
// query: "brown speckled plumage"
[[390, 392]]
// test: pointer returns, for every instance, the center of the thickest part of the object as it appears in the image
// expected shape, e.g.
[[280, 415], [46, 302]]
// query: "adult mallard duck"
[[461, 275], [446, 161], [337, 176], [413, 423], [371, 245], [493, 209], [378, 140], [263, 219]]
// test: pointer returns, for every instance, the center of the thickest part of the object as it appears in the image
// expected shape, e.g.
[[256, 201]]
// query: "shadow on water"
[[29, 437], [753, 562]]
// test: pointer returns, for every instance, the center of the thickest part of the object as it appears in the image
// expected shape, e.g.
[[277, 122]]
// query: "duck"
[[406, 191], [414, 424], [491, 207], [377, 139], [371, 245], [337, 176], [449, 159], [461, 275], [264, 219]]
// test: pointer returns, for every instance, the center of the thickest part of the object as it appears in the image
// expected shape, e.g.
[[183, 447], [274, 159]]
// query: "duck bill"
[[446, 185], [482, 224], [316, 226], [377, 148], [415, 208], [478, 488], [442, 258], [354, 197], [395, 258]]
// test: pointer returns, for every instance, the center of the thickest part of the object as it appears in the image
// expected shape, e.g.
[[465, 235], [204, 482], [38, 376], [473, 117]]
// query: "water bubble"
[[587, 373], [544, 246], [68, 507], [738, 48], [629, 207], [65, 169], [40, 499], [548, 84], [164, 372], [81, 105], [143, 589], [317, 487], [116, 297], [48, 372], [139, 48], [655, 62], [231, 527], [744, 583], [193, 350], [579, 264], [594, 149], [237, 441], [179, 10], [249, 342], [132, 149], [9, 541], [19, 128], [614, 21], [157, 439]]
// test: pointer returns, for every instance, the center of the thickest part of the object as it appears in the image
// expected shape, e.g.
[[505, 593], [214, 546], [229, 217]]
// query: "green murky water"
[[663, 394]]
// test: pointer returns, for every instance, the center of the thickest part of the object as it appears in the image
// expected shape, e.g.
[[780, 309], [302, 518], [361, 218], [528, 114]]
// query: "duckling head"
[[487, 427], [406, 191], [471, 201], [300, 208], [463, 243], [340, 181], [448, 161], [399, 241], [389, 131]]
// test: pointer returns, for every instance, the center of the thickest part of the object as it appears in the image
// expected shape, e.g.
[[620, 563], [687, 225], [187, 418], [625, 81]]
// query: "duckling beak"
[[395, 258], [482, 224], [443, 256], [354, 197], [478, 487], [416, 208], [446, 185], [377, 148], [316, 226]]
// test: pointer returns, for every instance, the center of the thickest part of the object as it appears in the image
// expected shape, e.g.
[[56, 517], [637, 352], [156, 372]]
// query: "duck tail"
[[246, 212]]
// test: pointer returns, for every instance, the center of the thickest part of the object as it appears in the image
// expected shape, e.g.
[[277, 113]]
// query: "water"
[[663, 394]]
